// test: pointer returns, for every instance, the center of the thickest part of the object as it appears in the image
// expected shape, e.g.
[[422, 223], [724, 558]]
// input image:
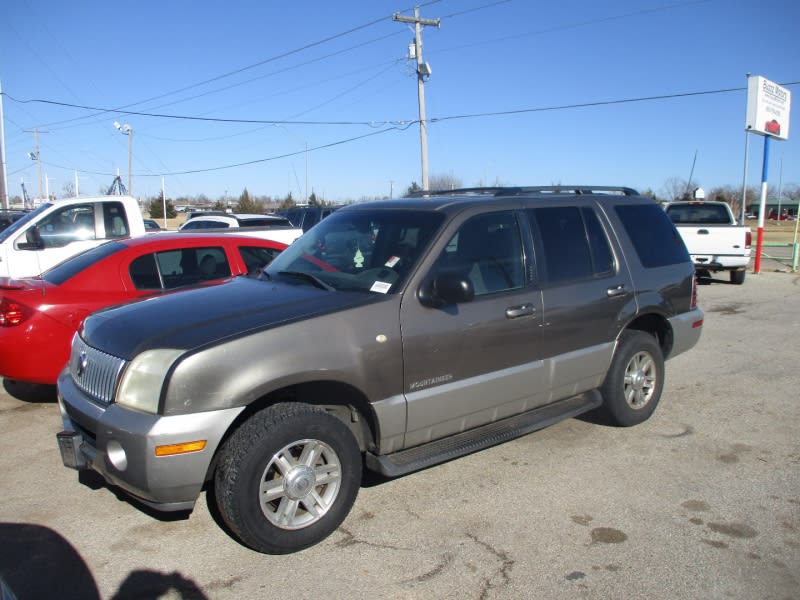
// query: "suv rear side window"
[[654, 237], [571, 242]]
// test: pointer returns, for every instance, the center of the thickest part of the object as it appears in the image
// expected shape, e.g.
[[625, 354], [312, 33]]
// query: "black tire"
[[309, 498], [634, 382], [737, 277]]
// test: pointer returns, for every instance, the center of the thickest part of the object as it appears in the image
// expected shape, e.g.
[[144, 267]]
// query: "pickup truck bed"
[[714, 240]]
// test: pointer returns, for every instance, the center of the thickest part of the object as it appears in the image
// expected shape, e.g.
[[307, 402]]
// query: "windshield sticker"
[[393, 260], [380, 286], [358, 259]]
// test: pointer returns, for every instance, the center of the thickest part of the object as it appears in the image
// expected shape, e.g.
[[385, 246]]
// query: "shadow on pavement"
[[30, 392], [94, 481], [37, 562]]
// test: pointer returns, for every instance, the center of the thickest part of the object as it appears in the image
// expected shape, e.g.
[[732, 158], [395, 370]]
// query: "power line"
[[397, 122], [475, 9], [194, 118], [568, 26], [597, 103], [403, 125], [249, 162], [243, 69]]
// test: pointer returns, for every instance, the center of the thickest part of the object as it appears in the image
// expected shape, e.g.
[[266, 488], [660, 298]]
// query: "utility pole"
[[3, 174], [77, 184], [423, 71], [36, 155], [128, 130], [47, 186], [164, 202]]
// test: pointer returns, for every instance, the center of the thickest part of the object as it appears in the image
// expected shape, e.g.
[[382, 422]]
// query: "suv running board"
[[439, 451]]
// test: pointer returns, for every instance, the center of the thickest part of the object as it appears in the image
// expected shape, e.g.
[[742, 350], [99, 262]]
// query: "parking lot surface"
[[701, 501]]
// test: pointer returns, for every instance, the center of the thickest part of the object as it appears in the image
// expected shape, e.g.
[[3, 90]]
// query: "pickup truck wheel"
[[633, 384], [737, 277], [287, 478]]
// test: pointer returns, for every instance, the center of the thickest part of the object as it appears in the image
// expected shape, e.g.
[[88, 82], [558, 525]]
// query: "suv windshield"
[[358, 250]]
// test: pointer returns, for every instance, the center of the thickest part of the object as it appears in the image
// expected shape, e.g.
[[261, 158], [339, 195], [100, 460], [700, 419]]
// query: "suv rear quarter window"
[[654, 237]]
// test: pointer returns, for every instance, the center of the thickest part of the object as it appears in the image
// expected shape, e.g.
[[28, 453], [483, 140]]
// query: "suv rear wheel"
[[633, 384], [287, 478]]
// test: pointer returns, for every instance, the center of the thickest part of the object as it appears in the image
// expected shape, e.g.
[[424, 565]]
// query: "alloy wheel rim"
[[300, 484]]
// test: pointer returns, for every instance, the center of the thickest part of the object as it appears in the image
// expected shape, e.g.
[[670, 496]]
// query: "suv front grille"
[[94, 372]]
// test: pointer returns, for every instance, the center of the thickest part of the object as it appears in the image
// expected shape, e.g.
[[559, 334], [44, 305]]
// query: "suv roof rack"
[[576, 190]]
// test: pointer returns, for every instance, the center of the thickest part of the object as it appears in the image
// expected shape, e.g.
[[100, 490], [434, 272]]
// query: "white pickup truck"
[[59, 229], [716, 242], [268, 227]]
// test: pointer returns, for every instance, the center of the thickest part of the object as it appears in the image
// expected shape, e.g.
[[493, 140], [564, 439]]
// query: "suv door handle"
[[618, 290], [522, 310]]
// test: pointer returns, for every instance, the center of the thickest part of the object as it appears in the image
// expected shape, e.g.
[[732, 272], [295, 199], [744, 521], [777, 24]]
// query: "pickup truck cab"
[[268, 227], [394, 334], [60, 229], [716, 242]]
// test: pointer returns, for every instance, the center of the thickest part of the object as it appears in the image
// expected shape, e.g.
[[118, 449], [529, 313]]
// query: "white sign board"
[[768, 107]]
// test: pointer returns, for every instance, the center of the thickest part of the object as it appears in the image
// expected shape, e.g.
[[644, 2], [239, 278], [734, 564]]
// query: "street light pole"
[[306, 199], [128, 130]]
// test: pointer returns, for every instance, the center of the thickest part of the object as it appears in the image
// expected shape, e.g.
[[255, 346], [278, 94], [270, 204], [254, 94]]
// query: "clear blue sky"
[[341, 68]]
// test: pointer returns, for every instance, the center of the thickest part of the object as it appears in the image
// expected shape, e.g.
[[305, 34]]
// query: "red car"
[[39, 316]]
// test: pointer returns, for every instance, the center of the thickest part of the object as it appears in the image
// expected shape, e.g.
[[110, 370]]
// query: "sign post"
[[768, 106]]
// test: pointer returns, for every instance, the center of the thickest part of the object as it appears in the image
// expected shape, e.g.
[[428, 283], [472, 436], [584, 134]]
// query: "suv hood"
[[194, 318]]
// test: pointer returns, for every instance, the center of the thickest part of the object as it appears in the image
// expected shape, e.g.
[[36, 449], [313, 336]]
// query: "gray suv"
[[394, 335]]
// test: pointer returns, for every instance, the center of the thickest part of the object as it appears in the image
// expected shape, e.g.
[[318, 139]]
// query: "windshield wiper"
[[310, 278]]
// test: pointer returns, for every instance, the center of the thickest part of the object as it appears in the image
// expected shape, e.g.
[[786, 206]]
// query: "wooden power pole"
[[423, 71]]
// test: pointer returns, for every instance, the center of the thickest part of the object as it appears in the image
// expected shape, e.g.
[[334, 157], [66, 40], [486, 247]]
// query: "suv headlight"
[[143, 379]]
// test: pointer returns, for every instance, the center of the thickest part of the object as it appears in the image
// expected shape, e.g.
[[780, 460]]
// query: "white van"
[[60, 229]]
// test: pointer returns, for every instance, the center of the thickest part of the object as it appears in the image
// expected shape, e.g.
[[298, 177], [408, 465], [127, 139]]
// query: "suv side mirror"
[[445, 289]]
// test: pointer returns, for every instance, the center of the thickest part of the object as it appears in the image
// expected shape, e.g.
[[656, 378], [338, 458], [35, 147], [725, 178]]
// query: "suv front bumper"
[[120, 444]]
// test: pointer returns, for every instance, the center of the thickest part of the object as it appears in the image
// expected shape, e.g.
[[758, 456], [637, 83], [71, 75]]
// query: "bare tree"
[[676, 188], [497, 183], [791, 191], [440, 182]]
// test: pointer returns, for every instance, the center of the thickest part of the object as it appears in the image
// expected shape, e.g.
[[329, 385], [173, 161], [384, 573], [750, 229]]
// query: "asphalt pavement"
[[701, 501]]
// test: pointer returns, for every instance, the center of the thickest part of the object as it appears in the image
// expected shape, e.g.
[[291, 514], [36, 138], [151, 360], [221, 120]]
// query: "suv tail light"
[[748, 239], [12, 313], [694, 291]]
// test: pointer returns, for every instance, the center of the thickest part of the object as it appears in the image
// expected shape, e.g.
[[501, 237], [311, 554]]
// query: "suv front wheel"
[[287, 478], [633, 384]]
